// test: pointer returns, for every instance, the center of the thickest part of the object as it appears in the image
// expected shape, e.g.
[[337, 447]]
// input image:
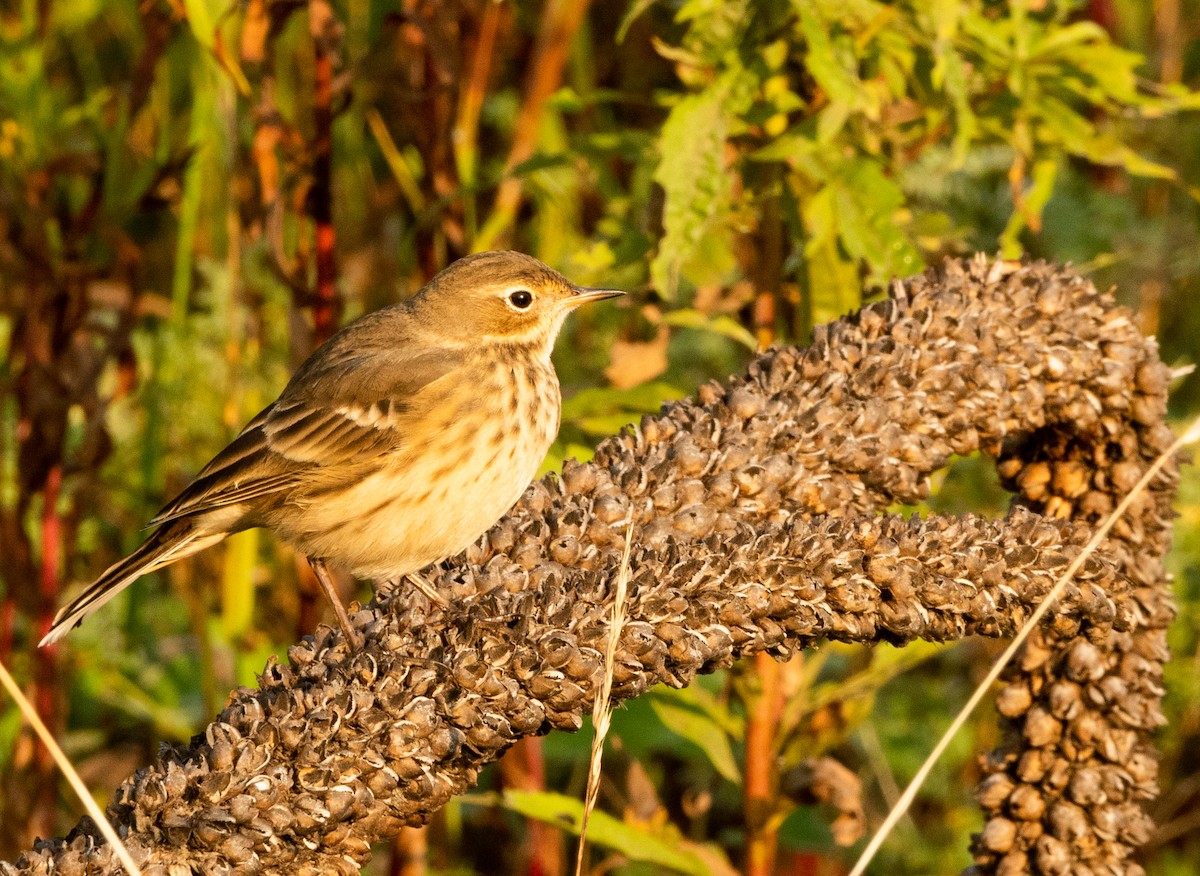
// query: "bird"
[[402, 438]]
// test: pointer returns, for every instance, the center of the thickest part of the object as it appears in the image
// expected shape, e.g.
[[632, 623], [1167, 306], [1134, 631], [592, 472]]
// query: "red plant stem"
[[45, 694], [8, 616], [325, 308], [51, 537], [759, 792], [560, 22], [465, 136], [409, 851], [325, 304], [523, 768], [474, 88], [1169, 36]]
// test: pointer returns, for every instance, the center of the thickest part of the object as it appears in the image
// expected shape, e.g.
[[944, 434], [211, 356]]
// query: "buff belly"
[[427, 504]]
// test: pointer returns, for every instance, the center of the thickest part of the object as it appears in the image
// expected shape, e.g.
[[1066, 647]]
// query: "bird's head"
[[503, 297]]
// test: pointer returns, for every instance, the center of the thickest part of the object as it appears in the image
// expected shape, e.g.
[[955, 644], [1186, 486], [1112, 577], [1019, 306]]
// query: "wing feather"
[[326, 436], [319, 423]]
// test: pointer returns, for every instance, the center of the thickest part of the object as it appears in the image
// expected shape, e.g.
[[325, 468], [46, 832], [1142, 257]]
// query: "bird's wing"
[[324, 435], [347, 413], [356, 406], [244, 471]]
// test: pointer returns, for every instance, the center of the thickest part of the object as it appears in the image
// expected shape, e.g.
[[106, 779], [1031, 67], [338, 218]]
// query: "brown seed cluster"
[[757, 526]]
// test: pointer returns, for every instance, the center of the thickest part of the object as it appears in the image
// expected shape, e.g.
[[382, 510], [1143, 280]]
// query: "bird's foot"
[[353, 637]]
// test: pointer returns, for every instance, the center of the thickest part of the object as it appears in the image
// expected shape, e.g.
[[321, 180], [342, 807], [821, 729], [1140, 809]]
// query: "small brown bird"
[[401, 440]]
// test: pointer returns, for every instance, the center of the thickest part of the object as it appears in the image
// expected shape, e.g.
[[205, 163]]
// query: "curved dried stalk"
[[757, 527]]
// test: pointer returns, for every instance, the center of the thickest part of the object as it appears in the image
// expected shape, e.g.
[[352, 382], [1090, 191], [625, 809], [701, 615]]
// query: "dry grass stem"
[[602, 707], [901, 807], [68, 770]]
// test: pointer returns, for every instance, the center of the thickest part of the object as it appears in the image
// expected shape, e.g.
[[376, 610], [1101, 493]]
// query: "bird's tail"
[[178, 539]]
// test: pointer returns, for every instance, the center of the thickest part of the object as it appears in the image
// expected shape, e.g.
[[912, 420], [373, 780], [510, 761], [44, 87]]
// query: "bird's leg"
[[426, 588], [326, 582]]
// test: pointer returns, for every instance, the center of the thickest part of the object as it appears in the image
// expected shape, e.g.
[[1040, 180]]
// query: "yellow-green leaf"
[[635, 841]]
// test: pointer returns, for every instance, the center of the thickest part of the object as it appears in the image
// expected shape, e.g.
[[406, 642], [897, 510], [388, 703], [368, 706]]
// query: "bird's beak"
[[584, 295]]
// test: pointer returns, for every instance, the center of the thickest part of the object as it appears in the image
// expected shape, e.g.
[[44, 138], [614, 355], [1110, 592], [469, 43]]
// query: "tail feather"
[[170, 543]]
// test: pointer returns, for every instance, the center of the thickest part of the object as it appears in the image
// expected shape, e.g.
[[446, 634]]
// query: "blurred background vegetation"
[[193, 193]]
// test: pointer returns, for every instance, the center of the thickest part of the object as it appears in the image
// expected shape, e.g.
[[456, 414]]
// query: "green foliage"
[[746, 169], [697, 715], [660, 845], [853, 93]]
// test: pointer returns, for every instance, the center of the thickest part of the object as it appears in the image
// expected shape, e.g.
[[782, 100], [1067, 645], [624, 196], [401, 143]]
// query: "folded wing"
[[347, 414]]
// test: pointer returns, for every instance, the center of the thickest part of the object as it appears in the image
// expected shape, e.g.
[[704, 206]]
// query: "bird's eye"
[[520, 299]]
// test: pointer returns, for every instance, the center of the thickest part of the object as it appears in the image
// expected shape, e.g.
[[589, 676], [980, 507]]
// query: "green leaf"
[[202, 21], [1044, 174], [718, 29], [603, 424], [786, 147], [1069, 128], [75, 15], [833, 283], [695, 715], [887, 662], [692, 174], [602, 411], [951, 71], [631, 15], [126, 697], [990, 37], [1030, 211], [857, 692], [1108, 150], [1058, 38], [945, 15], [636, 842], [866, 203], [645, 398], [832, 68], [203, 132], [11, 724], [721, 325], [1113, 70], [237, 582], [831, 121]]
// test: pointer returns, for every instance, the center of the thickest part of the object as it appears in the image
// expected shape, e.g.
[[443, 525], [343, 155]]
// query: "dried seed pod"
[[1084, 662], [1041, 728], [1014, 700], [1027, 803], [998, 835], [1053, 857], [757, 526], [1065, 700], [994, 790], [1012, 864]]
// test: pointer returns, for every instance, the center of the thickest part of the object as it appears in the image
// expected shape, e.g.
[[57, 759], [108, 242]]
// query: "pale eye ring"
[[520, 299]]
